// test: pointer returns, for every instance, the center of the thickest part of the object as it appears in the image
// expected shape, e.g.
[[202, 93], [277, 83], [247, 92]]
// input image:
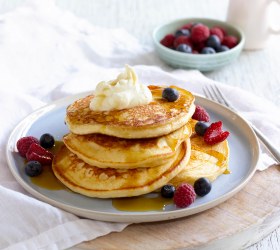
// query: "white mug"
[[251, 16]]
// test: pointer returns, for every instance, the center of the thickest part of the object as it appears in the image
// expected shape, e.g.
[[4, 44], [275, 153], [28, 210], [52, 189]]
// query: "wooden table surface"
[[255, 71]]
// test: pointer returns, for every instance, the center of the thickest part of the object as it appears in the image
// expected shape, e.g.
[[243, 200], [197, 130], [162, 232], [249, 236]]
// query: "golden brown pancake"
[[157, 118], [108, 151], [205, 161], [108, 183]]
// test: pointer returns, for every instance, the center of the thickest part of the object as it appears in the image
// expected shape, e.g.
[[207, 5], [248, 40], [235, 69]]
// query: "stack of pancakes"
[[130, 152]]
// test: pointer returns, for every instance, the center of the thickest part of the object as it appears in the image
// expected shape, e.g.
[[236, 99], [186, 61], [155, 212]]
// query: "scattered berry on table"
[[168, 40], [201, 127], [167, 191], [184, 48], [208, 50], [182, 32], [213, 41], [47, 140], [33, 168], [230, 41], [202, 186], [184, 195], [24, 143], [222, 48], [170, 94], [199, 33], [214, 134], [200, 114]]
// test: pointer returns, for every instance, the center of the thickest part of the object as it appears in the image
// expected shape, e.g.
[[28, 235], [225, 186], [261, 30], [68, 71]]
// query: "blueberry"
[[170, 94], [182, 32], [201, 127], [184, 48], [208, 50], [222, 48], [202, 186], [46, 140], [213, 41], [33, 168], [167, 191]]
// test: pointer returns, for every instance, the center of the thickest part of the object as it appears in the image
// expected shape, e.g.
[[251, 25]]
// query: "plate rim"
[[136, 217]]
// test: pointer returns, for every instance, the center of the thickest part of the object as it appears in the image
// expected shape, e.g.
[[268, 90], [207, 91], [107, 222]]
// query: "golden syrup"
[[219, 156], [141, 203], [47, 178]]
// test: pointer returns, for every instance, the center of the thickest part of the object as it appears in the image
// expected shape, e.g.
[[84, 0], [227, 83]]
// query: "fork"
[[214, 93]]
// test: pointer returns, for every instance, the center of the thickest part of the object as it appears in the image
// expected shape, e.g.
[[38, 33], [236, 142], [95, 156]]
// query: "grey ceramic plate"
[[244, 154]]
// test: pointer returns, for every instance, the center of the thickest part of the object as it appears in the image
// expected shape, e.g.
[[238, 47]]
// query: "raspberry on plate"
[[230, 41], [24, 143], [200, 33], [214, 134], [40, 154], [184, 195], [200, 114]]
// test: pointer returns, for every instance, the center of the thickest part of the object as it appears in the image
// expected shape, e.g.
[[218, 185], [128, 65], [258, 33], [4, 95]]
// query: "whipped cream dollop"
[[122, 93]]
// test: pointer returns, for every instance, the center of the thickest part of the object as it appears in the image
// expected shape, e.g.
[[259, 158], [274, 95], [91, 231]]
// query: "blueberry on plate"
[[182, 32], [202, 186], [167, 191], [184, 48], [222, 48], [213, 41], [208, 50], [170, 94], [201, 127], [33, 168], [46, 140]]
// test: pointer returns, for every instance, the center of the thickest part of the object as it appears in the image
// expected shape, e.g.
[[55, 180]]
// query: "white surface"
[[255, 71]]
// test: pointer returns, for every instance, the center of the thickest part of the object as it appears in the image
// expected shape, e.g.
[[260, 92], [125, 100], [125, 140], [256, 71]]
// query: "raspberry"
[[221, 29], [184, 195], [200, 114], [187, 26], [168, 40], [38, 153], [182, 40], [199, 46], [218, 32], [200, 33], [230, 41], [214, 134], [24, 143]]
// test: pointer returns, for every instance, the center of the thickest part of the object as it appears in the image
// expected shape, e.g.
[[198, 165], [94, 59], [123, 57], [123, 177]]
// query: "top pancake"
[[157, 118]]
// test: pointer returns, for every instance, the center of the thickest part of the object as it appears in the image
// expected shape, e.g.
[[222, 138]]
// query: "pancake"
[[107, 151], [205, 161], [157, 118], [109, 183]]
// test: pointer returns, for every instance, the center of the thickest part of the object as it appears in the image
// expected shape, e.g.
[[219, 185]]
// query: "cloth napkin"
[[47, 53]]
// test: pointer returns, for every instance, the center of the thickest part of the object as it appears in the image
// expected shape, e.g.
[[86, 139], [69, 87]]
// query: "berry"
[[213, 41], [168, 40], [33, 168], [167, 191], [200, 114], [170, 94], [187, 26], [199, 33], [184, 195], [184, 48], [24, 143], [221, 29], [40, 154], [202, 186], [47, 140], [214, 134], [222, 48], [230, 41], [182, 40], [182, 32], [201, 127], [218, 32], [199, 46], [208, 50]]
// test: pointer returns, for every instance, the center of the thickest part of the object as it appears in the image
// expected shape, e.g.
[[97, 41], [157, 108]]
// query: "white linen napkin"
[[47, 53]]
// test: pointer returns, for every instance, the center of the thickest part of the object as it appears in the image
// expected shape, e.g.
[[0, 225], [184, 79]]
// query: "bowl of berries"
[[198, 43]]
